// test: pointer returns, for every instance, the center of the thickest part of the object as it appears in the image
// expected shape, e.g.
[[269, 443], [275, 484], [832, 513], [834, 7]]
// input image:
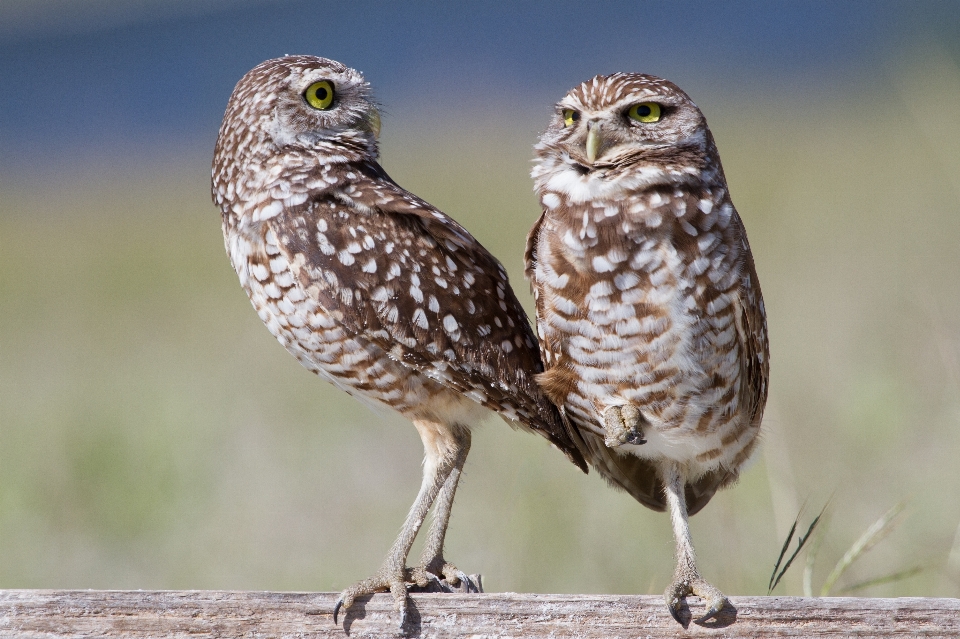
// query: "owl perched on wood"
[[370, 287], [649, 312]]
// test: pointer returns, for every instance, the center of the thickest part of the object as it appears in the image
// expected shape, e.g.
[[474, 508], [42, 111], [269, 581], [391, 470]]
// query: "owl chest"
[[621, 312]]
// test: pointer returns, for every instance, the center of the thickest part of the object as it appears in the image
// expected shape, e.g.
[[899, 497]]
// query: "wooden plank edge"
[[61, 614]]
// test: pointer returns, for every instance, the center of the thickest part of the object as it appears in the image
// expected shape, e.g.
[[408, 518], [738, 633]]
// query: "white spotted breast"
[[638, 302]]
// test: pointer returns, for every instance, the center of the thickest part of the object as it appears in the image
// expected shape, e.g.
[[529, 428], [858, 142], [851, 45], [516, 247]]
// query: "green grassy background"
[[154, 435]]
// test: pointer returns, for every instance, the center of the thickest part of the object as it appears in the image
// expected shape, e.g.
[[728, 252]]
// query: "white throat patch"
[[580, 187]]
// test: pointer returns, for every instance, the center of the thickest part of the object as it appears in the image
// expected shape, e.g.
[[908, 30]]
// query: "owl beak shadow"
[[594, 140]]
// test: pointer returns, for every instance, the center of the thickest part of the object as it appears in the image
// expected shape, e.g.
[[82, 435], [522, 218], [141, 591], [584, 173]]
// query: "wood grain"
[[49, 614]]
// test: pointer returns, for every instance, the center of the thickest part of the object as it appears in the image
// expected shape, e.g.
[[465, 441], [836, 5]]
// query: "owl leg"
[[443, 450], [686, 578], [623, 425], [432, 564]]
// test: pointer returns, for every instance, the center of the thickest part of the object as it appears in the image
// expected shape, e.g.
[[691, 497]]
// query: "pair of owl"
[[652, 359]]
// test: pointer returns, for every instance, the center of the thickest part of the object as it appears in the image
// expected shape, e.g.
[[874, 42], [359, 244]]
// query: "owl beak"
[[593, 140]]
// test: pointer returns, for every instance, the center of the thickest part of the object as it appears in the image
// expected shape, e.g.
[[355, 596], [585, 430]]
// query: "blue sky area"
[[127, 74]]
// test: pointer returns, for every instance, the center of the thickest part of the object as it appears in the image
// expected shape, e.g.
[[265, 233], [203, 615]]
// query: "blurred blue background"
[[154, 435], [99, 76]]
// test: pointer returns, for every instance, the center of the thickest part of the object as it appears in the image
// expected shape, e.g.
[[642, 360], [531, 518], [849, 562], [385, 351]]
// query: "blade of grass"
[[873, 535], [801, 541], [783, 551], [809, 565], [897, 576]]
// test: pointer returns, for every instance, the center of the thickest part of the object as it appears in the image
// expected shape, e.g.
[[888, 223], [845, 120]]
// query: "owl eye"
[[570, 116], [645, 112], [319, 95]]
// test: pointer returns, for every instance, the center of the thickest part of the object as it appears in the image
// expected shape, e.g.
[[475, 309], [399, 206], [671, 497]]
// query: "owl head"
[[302, 104], [626, 122]]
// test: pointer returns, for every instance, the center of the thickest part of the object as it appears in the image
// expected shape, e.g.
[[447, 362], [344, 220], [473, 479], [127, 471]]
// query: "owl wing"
[[754, 372], [550, 350], [630, 473], [752, 332], [398, 272]]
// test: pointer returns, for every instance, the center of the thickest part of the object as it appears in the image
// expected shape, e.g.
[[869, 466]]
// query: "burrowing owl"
[[369, 286], [649, 310]]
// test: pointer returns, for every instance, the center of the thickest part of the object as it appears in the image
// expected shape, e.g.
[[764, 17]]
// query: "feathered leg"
[[686, 578], [432, 564], [445, 449]]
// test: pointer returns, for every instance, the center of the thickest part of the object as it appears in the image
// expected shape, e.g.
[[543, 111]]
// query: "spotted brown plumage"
[[370, 287], [649, 311]]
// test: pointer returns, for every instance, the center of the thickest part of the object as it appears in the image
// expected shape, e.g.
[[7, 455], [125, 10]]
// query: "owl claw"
[[676, 595], [434, 582], [470, 583], [673, 607], [624, 425], [386, 579], [448, 578], [712, 611]]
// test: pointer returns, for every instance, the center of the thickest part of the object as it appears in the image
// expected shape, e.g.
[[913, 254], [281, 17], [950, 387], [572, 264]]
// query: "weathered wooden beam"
[[49, 614]]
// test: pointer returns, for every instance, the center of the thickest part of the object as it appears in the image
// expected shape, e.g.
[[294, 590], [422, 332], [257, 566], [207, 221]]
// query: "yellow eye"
[[569, 117], [319, 95], [645, 112]]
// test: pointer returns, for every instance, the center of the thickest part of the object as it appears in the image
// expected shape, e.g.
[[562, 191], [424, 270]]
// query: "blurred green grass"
[[154, 435]]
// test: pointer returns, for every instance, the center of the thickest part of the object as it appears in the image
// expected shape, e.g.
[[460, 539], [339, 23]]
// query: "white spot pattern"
[[333, 255], [644, 285]]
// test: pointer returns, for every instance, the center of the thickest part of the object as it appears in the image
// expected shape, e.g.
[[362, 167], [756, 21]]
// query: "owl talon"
[[429, 582], [385, 579], [470, 583], [674, 607], [623, 425], [684, 585], [713, 610], [448, 578]]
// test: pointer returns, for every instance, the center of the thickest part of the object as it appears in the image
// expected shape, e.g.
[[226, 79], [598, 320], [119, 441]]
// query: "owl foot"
[[623, 425], [693, 584], [442, 576], [387, 578], [437, 576]]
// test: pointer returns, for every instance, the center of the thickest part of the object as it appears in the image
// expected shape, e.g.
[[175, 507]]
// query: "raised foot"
[[391, 579], [623, 425], [682, 586]]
